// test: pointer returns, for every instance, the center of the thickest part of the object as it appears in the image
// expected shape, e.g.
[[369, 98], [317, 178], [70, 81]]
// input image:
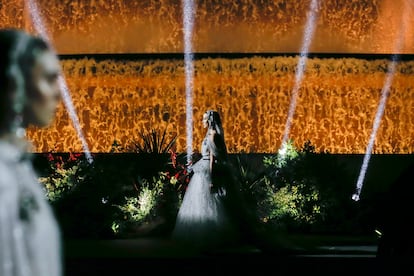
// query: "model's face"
[[44, 95], [205, 120]]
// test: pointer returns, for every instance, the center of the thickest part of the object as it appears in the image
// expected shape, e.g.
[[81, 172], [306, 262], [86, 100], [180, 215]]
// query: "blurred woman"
[[29, 95]]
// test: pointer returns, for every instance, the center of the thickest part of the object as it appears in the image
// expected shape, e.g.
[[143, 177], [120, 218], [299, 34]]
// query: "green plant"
[[289, 196], [120, 189], [302, 190], [286, 154], [64, 175], [140, 209], [154, 141], [293, 204], [157, 198], [136, 210]]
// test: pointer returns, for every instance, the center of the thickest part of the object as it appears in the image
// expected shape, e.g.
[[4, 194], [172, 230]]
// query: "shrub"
[[158, 198], [118, 191], [303, 191], [63, 174]]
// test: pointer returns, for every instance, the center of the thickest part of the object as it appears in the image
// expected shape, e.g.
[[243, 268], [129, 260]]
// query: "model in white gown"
[[202, 219]]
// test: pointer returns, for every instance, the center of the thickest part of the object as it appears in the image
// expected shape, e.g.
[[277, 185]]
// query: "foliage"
[[251, 179], [136, 210], [294, 192], [177, 172], [159, 197], [288, 200], [119, 190], [293, 205], [154, 141], [286, 154], [64, 174]]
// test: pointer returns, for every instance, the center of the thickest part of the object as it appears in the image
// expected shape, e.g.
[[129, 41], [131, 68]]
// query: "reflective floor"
[[156, 255]]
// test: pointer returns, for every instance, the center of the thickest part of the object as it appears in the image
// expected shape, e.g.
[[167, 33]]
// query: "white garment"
[[30, 242], [202, 220]]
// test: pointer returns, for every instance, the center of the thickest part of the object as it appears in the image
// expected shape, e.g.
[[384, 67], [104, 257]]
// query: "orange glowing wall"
[[155, 26], [336, 105], [337, 100]]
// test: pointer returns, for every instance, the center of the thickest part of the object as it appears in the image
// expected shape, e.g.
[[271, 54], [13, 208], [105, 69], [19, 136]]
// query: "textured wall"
[[336, 103], [154, 26]]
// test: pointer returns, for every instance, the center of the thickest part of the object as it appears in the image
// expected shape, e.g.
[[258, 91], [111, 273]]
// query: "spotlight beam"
[[376, 124], [67, 100], [307, 39], [381, 106], [188, 23]]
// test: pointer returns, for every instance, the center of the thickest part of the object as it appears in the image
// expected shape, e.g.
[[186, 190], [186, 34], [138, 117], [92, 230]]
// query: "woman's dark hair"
[[18, 52], [214, 120]]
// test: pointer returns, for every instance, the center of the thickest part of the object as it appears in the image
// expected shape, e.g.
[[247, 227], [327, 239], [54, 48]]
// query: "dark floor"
[[155, 256]]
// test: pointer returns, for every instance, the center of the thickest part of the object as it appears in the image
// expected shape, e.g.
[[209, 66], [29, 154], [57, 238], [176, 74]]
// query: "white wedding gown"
[[29, 234], [202, 219]]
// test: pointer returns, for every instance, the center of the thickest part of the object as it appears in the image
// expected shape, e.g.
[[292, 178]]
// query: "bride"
[[203, 220]]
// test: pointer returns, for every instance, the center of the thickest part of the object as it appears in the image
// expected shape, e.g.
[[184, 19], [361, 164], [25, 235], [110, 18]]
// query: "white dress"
[[30, 242], [202, 219]]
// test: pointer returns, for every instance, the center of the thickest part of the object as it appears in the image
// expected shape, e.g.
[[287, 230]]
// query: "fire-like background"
[[245, 68]]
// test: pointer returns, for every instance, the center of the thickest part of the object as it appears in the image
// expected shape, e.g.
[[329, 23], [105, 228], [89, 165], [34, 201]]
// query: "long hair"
[[214, 122], [18, 53]]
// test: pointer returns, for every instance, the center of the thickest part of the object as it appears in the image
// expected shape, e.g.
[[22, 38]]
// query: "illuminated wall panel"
[[116, 100], [155, 26], [336, 105]]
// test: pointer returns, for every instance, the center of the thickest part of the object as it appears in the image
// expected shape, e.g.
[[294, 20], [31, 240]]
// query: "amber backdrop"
[[155, 26], [338, 98], [336, 104]]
